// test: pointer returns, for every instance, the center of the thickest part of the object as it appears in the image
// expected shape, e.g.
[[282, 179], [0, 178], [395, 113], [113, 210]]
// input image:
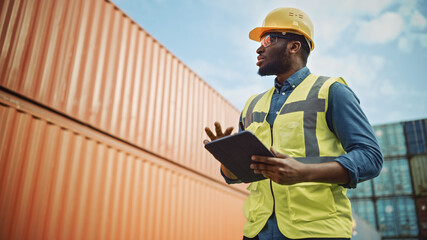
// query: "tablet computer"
[[235, 152]]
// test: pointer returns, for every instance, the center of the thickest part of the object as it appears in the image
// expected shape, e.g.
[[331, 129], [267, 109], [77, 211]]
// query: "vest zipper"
[[271, 182]]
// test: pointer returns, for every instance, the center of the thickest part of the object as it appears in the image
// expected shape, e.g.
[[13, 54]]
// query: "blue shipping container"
[[416, 136], [397, 217], [391, 139], [365, 209], [363, 190], [394, 179], [362, 230]]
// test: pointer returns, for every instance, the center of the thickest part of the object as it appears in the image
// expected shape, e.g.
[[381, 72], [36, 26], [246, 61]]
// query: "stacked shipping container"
[[395, 202], [102, 129], [363, 230]]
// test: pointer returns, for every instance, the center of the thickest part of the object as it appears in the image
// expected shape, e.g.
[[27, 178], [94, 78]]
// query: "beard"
[[278, 66]]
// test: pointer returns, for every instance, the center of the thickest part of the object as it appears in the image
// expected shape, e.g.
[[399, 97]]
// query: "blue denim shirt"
[[346, 120]]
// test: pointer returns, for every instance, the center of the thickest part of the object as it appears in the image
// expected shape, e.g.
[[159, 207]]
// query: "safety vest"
[[300, 130]]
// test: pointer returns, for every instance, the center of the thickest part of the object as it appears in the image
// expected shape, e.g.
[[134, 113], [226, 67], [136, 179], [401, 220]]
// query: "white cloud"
[[415, 23], [407, 7], [418, 20], [382, 29], [366, 6], [411, 40], [362, 72], [357, 69]]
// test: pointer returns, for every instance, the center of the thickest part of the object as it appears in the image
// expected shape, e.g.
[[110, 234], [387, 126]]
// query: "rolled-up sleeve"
[[363, 159], [228, 180]]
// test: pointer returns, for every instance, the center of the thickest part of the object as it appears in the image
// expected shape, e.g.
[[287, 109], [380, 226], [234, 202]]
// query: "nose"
[[260, 50]]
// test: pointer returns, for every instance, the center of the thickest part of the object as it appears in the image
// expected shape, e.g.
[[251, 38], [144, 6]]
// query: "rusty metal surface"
[[89, 61], [422, 216], [61, 179]]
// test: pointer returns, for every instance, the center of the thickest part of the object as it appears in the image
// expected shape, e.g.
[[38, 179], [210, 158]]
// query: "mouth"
[[260, 61]]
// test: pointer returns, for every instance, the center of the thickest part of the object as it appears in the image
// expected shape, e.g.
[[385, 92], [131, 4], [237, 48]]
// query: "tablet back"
[[235, 152]]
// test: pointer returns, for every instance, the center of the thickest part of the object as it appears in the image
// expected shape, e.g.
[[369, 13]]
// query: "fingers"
[[267, 160], [264, 172], [205, 141], [262, 167], [218, 129], [210, 133], [268, 174], [228, 131]]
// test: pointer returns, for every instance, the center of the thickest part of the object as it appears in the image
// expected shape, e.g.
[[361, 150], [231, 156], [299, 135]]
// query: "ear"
[[294, 46]]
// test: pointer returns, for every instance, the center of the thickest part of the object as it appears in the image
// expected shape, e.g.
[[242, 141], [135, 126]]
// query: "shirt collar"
[[294, 80]]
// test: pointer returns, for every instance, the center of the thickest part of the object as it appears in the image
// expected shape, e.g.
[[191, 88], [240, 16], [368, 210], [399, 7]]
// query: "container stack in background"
[[395, 202]]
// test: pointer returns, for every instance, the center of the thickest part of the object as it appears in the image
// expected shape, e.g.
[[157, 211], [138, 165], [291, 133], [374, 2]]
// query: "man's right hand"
[[219, 133]]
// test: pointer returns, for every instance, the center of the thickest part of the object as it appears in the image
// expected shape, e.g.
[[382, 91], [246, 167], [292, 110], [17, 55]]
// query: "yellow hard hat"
[[286, 20]]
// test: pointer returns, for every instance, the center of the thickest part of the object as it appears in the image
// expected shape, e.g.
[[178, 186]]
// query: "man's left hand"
[[281, 169]]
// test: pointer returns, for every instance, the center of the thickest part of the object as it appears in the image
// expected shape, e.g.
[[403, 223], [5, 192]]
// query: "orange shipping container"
[[89, 61], [101, 131], [64, 180]]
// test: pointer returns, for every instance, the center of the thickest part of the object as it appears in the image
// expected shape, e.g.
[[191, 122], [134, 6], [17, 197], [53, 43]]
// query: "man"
[[315, 127]]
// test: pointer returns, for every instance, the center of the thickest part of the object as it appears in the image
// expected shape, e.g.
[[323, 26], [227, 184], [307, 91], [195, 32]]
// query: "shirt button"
[[277, 112], [293, 86], [283, 93]]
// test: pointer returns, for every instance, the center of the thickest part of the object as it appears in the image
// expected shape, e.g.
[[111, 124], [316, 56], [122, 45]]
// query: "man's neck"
[[281, 78]]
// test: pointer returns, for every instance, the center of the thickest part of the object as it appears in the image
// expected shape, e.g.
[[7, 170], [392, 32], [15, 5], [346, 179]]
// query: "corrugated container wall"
[[365, 209], [394, 179], [89, 61], [422, 216], [419, 174], [102, 131], [416, 136], [63, 180], [391, 139], [397, 217]]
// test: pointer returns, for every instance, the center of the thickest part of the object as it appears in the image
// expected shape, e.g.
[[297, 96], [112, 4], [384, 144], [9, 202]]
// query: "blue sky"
[[379, 47]]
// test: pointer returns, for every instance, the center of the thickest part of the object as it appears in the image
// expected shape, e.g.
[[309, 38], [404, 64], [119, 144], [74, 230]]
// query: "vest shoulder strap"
[[249, 116]]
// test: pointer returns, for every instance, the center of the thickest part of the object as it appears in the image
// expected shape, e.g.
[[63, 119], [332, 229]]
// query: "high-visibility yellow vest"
[[303, 210]]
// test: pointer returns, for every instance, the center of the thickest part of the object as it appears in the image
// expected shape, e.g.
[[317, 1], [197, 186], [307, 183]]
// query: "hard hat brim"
[[257, 33]]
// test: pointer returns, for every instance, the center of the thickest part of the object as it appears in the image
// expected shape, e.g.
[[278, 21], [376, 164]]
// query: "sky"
[[378, 46]]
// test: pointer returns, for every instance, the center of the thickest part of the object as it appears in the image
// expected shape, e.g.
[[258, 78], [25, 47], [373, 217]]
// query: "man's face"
[[273, 60]]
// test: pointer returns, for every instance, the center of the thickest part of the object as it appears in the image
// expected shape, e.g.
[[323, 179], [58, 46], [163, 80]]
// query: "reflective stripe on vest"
[[254, 116], [311, 106]]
